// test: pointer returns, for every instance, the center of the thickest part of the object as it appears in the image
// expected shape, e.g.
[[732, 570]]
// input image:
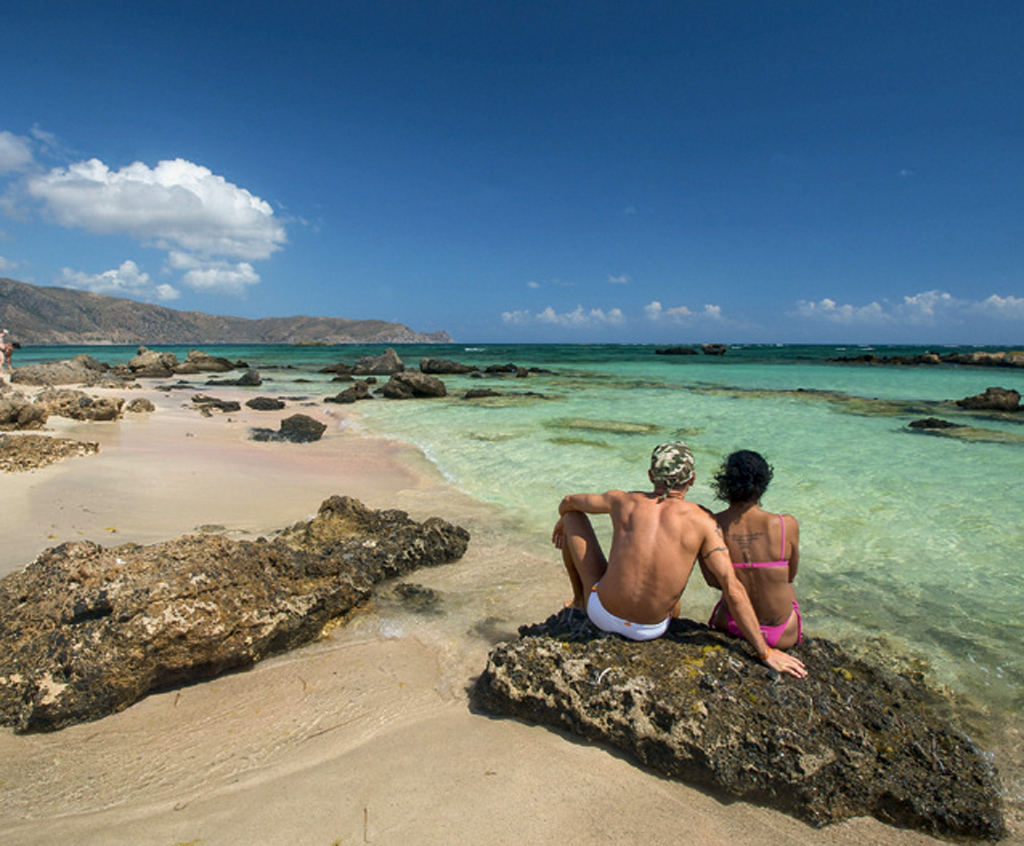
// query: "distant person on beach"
[[6, 350], [656, 539], [764, 548]]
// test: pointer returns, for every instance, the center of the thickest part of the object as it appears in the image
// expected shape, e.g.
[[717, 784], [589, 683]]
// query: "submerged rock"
[[994, 399], [86, 631], [852, 739]]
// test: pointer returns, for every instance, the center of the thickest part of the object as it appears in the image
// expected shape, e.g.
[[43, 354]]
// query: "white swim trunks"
[[608, 622]]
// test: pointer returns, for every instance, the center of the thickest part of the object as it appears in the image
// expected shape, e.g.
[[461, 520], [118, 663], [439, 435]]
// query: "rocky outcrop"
[[76, 371], [973, 359], [265, 404], [152, 364], [19, 453], [86, 631], [445, 367], [994, 399], [851, 739], [409, 385], [207, 405], [713, 349], [297, 429], [202, 362], [17, 412], [379, 365], [358, 391], [78, 405], [249, 379], [987, 359], [139, 405], [933, 423], [675, 351]]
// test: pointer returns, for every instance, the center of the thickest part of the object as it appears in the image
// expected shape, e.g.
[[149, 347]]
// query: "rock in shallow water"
[[86, 631], [850, 740]]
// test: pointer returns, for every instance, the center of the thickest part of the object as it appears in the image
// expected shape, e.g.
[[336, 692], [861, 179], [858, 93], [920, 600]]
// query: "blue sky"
[[666, 172]]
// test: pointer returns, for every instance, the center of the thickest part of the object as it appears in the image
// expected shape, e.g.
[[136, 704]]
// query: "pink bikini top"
[[782, 562]]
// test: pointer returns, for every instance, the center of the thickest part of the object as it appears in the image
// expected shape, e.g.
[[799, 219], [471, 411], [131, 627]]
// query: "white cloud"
[[128, 280], [516, 318], [1007, 308], [618, 280], [176, 203], [15, 152], [928, 308], [7, 264], [828, 309], [532, 284], [213, 274], [655, 311], [578, 317], [925, 307]]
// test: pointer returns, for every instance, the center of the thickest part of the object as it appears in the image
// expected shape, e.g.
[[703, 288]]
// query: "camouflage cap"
[[672, 465]]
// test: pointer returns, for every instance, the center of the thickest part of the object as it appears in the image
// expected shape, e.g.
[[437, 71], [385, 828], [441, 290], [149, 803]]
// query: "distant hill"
[[41, 315]]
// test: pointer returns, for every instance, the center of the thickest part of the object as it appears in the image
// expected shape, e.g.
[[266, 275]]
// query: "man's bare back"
[[656, 540], [655, 543]]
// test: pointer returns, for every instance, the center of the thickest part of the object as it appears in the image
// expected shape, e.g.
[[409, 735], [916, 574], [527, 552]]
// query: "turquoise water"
[[905, 537]]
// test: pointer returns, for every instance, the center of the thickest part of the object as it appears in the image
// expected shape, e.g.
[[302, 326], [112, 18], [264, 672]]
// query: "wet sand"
[[363, 737]]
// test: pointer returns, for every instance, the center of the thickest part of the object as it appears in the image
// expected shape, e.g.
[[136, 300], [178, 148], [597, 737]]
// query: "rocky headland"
[[86, 630], [49, 315], [852, 739]]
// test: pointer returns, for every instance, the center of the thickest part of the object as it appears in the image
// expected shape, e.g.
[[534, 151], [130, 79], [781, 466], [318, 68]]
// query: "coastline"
[[364, 736]]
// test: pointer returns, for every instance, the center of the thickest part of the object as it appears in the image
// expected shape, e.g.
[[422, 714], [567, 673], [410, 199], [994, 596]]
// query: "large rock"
[[17, 412], [207, 404], [249, 379], [202, 362], [852, 739], [379, 365], [78, 405], [409, 385], [152, 364], [358, 391], [75, 371], [444, 366], [994, 399], [297, 429], [86, 631]]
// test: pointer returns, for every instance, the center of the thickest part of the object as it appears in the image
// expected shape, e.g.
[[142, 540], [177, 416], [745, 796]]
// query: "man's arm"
[[715, 557], [587, 503]]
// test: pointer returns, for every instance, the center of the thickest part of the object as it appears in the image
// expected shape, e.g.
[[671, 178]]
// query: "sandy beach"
[[365, 736]]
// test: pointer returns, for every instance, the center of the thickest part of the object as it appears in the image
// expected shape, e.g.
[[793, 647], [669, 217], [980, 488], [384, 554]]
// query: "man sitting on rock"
[[656, 538]]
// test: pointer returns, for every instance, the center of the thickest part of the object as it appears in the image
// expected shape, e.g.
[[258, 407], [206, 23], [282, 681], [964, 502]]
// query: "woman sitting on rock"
[[764, 548]]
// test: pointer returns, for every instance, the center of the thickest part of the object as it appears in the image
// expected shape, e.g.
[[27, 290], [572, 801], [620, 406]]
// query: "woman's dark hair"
[[743, 477]]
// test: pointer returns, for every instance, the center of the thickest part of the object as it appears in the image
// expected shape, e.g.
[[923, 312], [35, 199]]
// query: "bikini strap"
[[782, 553]]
